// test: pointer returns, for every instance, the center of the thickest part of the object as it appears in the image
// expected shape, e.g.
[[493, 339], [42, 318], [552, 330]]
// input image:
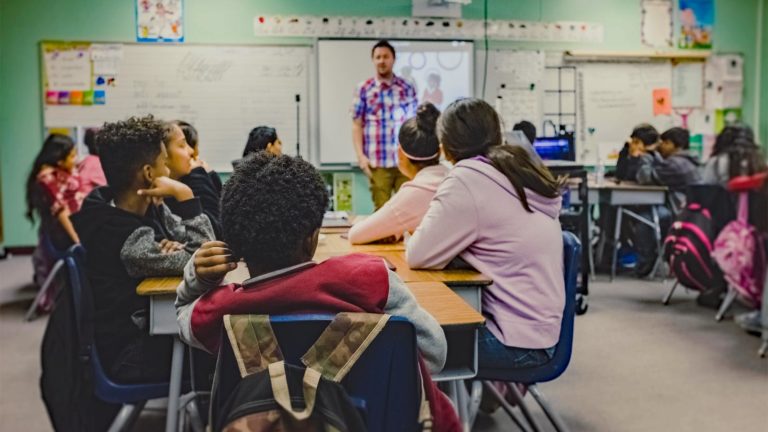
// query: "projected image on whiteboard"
[[440, 72]]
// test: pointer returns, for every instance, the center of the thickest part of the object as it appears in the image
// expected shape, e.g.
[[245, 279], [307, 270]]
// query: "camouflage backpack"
[[272, 395]]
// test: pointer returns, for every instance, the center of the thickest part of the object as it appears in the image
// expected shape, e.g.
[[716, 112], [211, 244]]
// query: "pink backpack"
[[739, 250]]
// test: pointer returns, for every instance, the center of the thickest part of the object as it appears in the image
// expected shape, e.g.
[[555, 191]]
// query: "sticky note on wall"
[[75, 98], [99, 97]]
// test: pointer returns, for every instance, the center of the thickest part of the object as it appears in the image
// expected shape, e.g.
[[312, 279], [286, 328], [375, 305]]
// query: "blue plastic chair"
[[562, 357], [132, 397], [384, 383]]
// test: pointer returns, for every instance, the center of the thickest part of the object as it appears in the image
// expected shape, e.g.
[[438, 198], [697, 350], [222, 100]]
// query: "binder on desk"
[[336, 219]]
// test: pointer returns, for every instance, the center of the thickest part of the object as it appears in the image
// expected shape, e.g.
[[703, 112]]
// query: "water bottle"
[[600, 172]]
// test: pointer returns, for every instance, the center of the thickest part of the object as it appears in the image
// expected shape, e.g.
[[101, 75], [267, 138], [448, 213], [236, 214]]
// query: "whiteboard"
[[514, 85], [224, 91], [613, 99], [344, 64]]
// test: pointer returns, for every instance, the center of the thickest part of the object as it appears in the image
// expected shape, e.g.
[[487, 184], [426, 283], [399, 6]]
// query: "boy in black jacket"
[[129, 235], [643, 136]]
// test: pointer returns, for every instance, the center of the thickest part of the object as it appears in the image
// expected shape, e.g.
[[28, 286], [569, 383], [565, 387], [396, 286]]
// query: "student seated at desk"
[[419, 160], [667, 164], [129, 236], [186, 167], [272, 209], [643, 135], [91, 173], [734, 144], [261, 138], [53, 195], [498, 211], [670, 163]]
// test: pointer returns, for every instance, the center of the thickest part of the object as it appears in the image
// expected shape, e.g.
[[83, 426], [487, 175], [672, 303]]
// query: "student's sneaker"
[[751, 322]]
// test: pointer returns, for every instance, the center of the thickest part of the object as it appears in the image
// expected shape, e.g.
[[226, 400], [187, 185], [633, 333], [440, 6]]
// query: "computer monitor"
[[555, 148]]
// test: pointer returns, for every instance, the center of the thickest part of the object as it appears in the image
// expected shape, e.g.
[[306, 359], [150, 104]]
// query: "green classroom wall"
[[24, 23]]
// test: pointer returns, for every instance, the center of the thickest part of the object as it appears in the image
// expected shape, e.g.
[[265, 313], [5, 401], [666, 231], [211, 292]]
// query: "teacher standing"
[[381, 105]]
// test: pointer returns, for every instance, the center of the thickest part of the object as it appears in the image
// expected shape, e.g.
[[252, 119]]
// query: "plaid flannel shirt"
[[383, 107]]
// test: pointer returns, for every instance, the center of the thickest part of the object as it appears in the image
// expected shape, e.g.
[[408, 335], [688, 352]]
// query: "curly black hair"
[[126, 146], [270, 206]]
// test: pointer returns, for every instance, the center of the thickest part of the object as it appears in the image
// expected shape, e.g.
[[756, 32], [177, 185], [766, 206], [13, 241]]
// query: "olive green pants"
[[384, 182]]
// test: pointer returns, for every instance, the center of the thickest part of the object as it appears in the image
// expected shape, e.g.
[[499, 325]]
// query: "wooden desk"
[[334, 243], [397, 258]]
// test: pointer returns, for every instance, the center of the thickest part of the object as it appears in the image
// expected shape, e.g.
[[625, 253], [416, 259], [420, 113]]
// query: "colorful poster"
[[697, 21], [725, 117], [159, 21], [343, 184]]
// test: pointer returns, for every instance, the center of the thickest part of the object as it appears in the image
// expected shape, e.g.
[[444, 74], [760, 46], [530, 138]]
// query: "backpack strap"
[[343, 342], [282, 395], [743, 213], [253, 342]]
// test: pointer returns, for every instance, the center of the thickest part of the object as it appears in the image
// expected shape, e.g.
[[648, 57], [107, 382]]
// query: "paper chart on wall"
[[520, 90], [724, 85], [106, 58], [517, 104], [657, 23], [68, 69], [688, 85]]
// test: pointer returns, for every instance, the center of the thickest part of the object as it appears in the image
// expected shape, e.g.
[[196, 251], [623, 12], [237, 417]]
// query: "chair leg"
[[616, 242], [523, 407], [32, 311], [552, 415], [657, 235], [727, 302], [488, 386], [590, 246], [462, 403], [475, 397], [763, 349], [668, 297], [195, 420], [126, 417]]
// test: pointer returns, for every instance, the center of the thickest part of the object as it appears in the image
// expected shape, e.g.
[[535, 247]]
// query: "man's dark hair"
[[126, 146], [258, 139], [89, 139], [270, 206], [189, 131], [678, 136], [384, 44], [528, 129], [645, 133]]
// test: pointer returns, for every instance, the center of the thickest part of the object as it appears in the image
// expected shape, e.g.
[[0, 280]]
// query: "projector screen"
[[441, 72]]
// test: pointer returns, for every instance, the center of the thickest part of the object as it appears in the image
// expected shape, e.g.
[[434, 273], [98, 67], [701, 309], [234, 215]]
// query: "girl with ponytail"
[[419, 160], [498, 210]]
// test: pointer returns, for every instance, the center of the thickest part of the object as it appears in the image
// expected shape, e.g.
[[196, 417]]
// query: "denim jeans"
[[495, 355]]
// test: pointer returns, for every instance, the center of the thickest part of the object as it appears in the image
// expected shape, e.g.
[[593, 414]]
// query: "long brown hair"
[[470, 127]]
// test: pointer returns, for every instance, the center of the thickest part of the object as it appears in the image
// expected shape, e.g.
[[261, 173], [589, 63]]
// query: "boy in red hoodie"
[[272, 209]]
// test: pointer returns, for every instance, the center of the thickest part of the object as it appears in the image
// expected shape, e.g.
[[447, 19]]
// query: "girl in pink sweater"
[[498, 210], [419, 160]]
